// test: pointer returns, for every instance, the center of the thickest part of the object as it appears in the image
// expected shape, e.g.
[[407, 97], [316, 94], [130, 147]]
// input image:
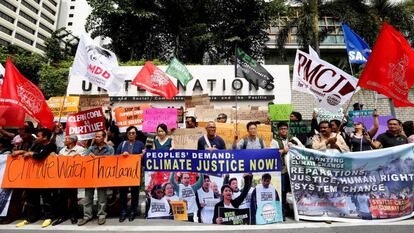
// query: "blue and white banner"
[[250, 180], [216, 161], [367, 185], [358, 50]]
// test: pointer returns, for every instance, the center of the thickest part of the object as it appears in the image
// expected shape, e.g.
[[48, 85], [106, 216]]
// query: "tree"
[[192, 30], [26, 62], [132, 26], [366, 17], [305, 19], [54, 78], [60, 45]]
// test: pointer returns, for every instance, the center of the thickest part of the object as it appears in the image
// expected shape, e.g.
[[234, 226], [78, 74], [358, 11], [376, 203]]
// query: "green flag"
[[178, 71], [251, 70]]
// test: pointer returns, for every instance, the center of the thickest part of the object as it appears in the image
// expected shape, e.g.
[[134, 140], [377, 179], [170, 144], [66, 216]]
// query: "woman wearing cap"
[[361, 139], [126, 148], [158, 206]]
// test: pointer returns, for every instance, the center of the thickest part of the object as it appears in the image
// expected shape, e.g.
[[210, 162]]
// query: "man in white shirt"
[[71, 148], [68, 198]]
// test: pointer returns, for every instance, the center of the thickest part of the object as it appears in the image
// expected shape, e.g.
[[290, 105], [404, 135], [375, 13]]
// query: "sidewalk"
[[143, 225]]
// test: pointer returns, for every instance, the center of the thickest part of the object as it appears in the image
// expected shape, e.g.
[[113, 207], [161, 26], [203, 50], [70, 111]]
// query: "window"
[[42, 26], [5, 30], [41, 47], [6, 17], [72, 7], [28, 17], [47, 19], [70, 15], [8, 5], [30, 7], [70, 24], [49, 9], [53, 2], [41, 36], [4, 42], [26, 28], [24, 39]]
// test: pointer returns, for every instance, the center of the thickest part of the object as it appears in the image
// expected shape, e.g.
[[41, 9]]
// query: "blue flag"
[[358, 50]]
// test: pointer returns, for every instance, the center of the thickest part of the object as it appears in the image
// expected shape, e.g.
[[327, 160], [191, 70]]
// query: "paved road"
[[141, 225]]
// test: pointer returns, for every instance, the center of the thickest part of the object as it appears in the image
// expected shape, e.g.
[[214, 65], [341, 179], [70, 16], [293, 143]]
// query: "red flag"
[[19, 91], [155, 81], [390, 67], [11, 115]]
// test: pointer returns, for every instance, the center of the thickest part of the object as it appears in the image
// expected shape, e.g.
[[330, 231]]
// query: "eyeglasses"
[[131, 133], [211, 127]]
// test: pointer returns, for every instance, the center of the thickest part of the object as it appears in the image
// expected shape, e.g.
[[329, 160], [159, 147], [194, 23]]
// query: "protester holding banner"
[[39, 151], [251, 141], [162, 141], [186, 192], [211, 141], [205, 202], [68, 198], [25, 142], [283, 141], [263, 193], [191, 122], [114, 138], [327, 140], [58, 136], [158, 206], [338, 128], [296, 118], [100, 148], [129, 147], [222, 118], [393, 136], [228, 201], [361, 139]]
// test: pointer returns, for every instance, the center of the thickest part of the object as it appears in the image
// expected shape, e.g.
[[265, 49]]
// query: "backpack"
[[245, 143]]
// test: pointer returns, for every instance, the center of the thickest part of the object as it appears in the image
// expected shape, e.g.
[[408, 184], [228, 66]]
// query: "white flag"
[[97, 64], [331, 86], [312, 52]]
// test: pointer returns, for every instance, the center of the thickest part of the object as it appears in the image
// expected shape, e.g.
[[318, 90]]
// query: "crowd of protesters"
[[59, 205]]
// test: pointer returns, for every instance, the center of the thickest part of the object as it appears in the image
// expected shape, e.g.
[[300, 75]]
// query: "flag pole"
[[62, 107], [235, 75]]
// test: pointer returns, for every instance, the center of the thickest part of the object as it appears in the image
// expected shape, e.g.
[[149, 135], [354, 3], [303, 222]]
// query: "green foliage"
[[26, 62], [364, 17], [61, 45], [54, 79], [196, 31], [142, 62]]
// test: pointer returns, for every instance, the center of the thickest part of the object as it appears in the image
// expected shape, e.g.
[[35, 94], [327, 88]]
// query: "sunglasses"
[[131, 133]]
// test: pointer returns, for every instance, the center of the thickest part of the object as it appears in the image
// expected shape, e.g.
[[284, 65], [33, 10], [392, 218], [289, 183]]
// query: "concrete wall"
[[304, 103]]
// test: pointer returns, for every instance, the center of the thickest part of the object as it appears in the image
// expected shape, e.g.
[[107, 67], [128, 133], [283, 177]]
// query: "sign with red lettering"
[[155, 116], [72, 172], [331, 86], [84, 124]]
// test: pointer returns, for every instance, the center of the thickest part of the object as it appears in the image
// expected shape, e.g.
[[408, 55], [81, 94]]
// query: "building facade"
[[73, 15], [28, 23]]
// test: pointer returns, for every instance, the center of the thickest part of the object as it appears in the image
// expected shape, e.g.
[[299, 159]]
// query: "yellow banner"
[[71, 105]]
